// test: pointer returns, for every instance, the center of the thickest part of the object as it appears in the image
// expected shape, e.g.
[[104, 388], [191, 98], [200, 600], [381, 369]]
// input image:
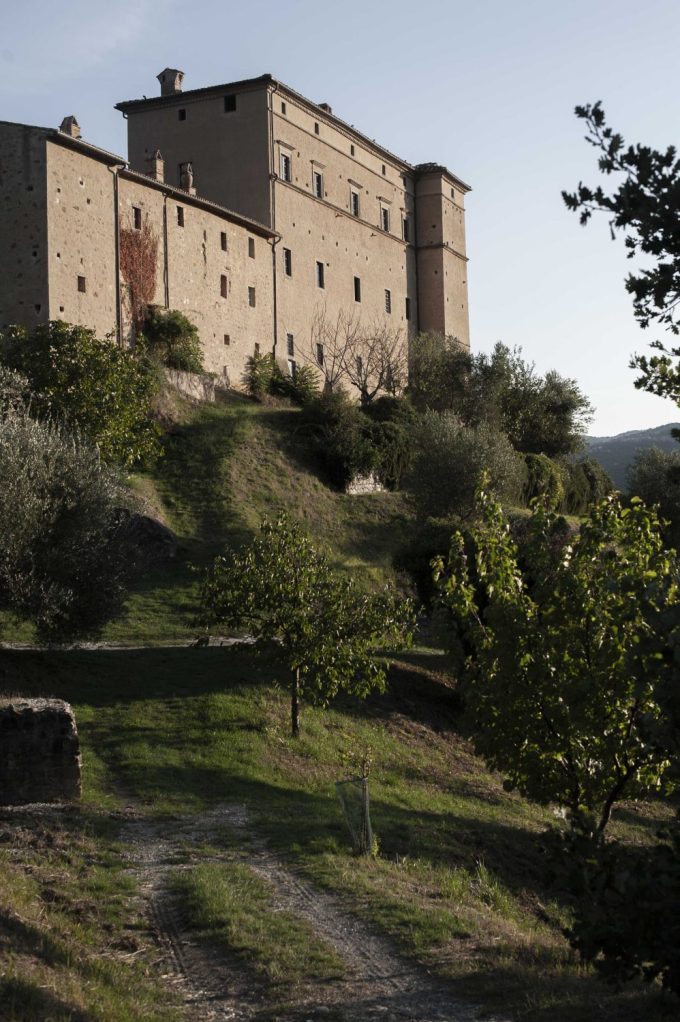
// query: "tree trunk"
[[295, 706]]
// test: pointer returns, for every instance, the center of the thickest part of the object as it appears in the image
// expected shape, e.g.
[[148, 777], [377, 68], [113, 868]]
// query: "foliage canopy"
[[285, 593], [563, 655], [644, 207], [63, 564], [98, 389]]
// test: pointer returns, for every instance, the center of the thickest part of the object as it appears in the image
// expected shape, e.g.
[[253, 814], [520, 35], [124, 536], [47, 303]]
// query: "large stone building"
[[265, 210]]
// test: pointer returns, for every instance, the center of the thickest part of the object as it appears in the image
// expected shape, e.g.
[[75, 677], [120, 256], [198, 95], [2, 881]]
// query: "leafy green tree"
[[450, 460], [172, 338], [644, 208], [563, 663], [98, 389], [585, 483], [544, 479], [63, 560], [540, 414], [317, 622], [654, 476]]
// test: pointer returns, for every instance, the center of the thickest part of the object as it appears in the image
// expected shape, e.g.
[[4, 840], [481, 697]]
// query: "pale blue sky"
[[486, 87]]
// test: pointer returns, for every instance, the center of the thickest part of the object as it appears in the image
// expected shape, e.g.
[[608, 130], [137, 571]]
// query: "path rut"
[[379, 983]]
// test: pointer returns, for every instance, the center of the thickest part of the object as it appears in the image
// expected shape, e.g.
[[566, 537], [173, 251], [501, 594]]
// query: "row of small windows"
[[321, 283], [317, 131], [286, 174], [137, 221]]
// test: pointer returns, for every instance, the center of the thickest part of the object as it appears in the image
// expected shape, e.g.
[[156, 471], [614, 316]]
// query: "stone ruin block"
[[39, 752]]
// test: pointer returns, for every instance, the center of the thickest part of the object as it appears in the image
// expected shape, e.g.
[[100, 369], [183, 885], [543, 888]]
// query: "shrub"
[[14, 392], [544, 478], [450, 461], [98, 389], [62, 563], [173, 339], [585, 483], [259, 375], [341, 434], [301, 388]]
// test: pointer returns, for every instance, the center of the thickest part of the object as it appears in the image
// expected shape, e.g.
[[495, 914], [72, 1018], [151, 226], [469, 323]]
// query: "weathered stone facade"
[[268, 210], [39, 752]]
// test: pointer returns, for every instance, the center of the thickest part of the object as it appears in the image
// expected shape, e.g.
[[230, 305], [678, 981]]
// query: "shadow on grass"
[[22, 1000], [191, 476]]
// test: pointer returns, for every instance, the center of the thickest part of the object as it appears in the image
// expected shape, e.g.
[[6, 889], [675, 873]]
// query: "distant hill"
[[615, 453]]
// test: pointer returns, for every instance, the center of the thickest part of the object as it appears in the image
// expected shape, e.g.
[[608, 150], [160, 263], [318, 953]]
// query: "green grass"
[[224, 468], [461, 881], [72, 946], [229, 906]]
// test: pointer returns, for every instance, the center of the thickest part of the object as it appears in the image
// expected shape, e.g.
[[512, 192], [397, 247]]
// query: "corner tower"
[[440, 252]]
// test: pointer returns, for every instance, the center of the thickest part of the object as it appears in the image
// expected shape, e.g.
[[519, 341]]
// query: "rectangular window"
[[82, 285], [286, 174], [384, 170], [351, 150], [354, 202], [288, 262], [251, 297], [385, 218], [317, 181], [388, 300], [227, 340], [137, 217], [357, 289], [408, 309], [182, 115], [320, 275], [180, 216], [360, 365], [223, 241], [223, 286], [229, 104], [406, 229], [319, 354], [283, 107], [251, 247], [290, 345], [257, 347], [292, 368], [316, 127]]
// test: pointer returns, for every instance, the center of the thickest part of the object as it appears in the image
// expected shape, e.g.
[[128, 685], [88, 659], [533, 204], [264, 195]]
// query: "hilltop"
[[616, 453]]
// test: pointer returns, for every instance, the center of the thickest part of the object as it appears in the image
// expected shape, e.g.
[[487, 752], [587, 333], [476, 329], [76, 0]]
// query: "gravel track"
[[379, 983]]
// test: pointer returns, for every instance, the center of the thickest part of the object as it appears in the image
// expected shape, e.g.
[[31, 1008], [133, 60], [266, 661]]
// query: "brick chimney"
[[155, 166], [171, 81], [70, 126]]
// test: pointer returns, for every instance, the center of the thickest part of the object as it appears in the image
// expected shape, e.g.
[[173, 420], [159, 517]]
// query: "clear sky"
[[487, 87]]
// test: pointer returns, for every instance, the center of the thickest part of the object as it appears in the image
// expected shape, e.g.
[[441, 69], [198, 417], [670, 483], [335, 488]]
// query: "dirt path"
[[379, 983]]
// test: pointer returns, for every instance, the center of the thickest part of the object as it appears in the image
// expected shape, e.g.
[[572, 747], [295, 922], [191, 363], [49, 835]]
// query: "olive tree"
[[563, 657], [449, 461], [63, 559], [319, 624]]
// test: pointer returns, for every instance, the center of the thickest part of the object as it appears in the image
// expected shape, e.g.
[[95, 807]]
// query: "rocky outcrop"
[[39, 752]]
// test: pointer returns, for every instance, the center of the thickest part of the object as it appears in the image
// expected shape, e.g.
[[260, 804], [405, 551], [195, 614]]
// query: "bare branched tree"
[[372, 357], [376, 359]]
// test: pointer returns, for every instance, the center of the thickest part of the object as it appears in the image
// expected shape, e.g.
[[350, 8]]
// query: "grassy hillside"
[[224, 468], [460, 882]]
